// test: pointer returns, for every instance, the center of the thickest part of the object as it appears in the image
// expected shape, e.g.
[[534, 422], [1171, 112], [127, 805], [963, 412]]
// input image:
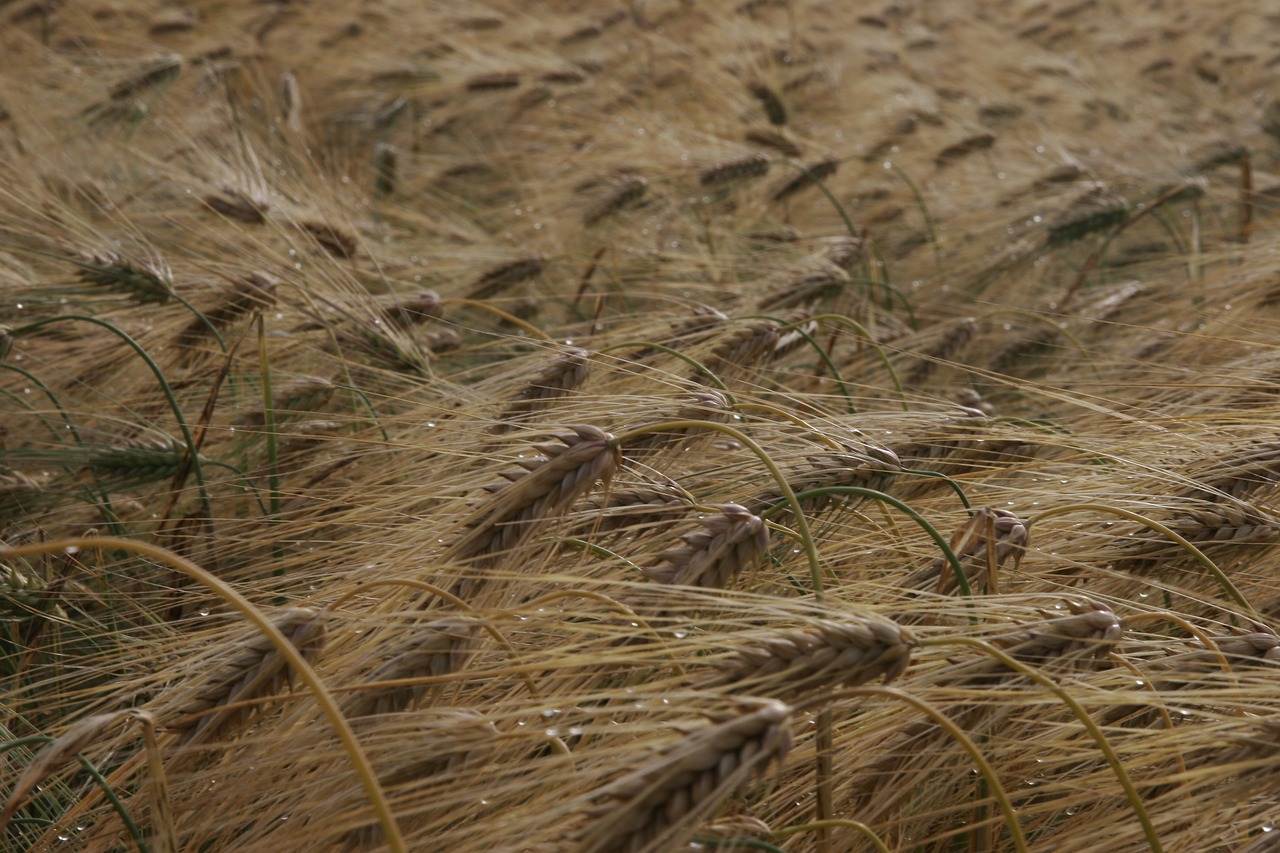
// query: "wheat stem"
[[928, 528], [835, 823]]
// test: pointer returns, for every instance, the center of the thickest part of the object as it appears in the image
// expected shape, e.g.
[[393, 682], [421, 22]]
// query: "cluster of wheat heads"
[[597, 426]]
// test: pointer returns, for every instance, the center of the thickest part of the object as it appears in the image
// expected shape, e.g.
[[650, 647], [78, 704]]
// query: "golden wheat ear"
[[730, 540], [253, 670], [791, 665], [656, 806]]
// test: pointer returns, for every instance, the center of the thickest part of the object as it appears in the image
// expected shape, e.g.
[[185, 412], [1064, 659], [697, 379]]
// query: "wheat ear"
[[542, 486], [656, 806], [253, 670], [730, 540], [791, 664], [437, 648]]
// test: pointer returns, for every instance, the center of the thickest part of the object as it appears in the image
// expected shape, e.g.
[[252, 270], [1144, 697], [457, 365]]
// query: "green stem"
[[328, 706], [1113, 759], [822, 353], [205, 501], [834, 823], [851, 323], [937, 537], [689, 360]]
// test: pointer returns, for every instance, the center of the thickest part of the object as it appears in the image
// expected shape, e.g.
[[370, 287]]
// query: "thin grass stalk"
[[1058, 327], [795, 419], [130, 826], [269, 426], [205, 501], [351, 746], [506, 317], [699, 367], [929, 229], [835, 823], [1199, 555], [1100, 738], [1093, 259], [958, 735], [808, 172], [822, 353], [851, 323], [111, 517]]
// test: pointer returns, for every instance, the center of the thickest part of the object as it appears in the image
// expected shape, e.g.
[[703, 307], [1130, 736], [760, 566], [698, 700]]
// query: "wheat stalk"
[[656, 806]]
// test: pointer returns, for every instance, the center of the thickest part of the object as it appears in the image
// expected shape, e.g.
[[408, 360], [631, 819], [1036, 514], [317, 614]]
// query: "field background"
[[405, 410]]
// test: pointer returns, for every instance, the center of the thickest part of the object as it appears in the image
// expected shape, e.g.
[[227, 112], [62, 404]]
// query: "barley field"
[[601, 427]]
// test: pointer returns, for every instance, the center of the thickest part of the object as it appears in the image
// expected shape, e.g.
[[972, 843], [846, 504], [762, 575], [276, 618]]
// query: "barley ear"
[[656, 806], [730, 540], [790, 664]]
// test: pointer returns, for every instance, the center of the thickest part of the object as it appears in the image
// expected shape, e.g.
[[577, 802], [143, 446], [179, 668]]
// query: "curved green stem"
[[928, 528], [958, 735], [955, 487], [802, 523], [205, 501], [328, 706], [817, 182], [851, 323], [929, 230], [822, 353], [129, 825], [1199, 555], [1113, 759]]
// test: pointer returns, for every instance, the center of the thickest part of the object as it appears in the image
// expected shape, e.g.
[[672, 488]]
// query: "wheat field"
[[783, 425]]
